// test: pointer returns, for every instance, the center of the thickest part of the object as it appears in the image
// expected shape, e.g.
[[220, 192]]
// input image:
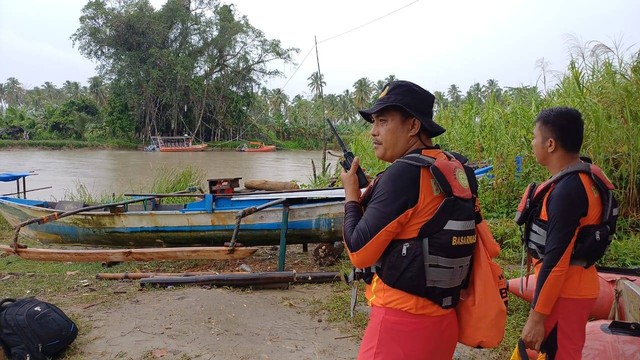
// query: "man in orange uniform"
[[420, 265], [565, 290]]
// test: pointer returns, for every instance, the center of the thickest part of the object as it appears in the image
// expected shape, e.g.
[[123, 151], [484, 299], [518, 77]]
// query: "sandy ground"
[[197, 323], [220, 323]]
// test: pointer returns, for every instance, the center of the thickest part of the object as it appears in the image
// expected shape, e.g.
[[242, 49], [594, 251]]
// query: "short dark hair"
[[565, 125]]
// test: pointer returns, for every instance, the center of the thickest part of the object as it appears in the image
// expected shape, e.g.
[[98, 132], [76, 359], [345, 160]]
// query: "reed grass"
[[167, 180], [601, 81]]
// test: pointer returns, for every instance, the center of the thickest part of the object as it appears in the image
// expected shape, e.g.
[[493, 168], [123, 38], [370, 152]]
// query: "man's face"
[[391, 134], [540, 145]]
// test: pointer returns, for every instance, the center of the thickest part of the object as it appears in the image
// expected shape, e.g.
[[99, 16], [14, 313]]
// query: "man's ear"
[[415, 127], [552, 144]]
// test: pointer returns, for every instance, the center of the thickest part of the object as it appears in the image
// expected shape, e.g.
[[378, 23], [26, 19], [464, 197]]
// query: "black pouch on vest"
[[403, 267], [591, 243]]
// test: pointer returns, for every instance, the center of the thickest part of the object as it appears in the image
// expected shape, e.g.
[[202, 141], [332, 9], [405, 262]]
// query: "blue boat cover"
[[14, 176]]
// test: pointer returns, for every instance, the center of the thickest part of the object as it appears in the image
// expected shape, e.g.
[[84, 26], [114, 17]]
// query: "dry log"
[[245, 279], [139, 275], [146, 254], [270, 185]]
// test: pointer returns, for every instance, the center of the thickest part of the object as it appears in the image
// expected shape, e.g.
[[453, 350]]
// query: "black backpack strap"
[[417, 160], [426, 161], [463, 159]]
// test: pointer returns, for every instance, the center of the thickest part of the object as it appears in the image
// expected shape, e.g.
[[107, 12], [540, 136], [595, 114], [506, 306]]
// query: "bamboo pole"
[[119, 255]]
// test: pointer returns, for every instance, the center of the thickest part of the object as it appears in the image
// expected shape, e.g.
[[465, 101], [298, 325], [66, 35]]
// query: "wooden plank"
[[118, 255], [630, 299]]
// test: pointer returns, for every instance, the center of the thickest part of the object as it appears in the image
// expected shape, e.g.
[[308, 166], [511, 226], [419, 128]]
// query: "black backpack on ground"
[[31, 329]]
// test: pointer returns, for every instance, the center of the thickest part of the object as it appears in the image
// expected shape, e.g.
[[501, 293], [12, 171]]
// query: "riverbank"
[[119, 319], [133, 145]]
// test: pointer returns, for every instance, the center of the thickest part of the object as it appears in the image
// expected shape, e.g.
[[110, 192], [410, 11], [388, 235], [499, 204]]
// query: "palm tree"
[[50, 92], [97, 90], [3, 95], [475, 93], [278, 101], [454, 95], [71, 89], [14, 93], [316, 83], [346, 110], [362, 92], [491, 89], [35, 98], [390, 78], [441, 100]]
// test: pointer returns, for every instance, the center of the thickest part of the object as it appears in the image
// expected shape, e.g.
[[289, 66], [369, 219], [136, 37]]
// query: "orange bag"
[[482, 310]]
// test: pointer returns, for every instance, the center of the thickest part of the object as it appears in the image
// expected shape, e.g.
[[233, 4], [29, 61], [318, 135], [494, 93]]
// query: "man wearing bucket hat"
[[415, 225]]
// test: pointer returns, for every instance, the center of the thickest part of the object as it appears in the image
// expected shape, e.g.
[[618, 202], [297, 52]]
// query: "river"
[[118, 171]]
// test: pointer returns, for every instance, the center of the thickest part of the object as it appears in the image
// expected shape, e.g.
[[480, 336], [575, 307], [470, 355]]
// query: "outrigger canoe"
[[307, 216], [314, 216]]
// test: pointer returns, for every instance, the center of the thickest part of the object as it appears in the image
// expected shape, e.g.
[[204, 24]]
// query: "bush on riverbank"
[[67, 144]]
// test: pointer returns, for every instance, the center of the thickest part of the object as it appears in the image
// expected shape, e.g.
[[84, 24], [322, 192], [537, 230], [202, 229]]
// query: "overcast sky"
[[434, 44]]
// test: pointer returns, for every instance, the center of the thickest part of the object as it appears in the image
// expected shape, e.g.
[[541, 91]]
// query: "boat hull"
[[265, 148], [210, 222], [192, 148]]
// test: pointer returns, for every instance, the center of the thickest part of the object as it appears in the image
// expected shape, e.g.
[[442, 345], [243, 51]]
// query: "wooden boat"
[[306, 216], [314, 216], [612, 281], [175, 144], [256, 146]]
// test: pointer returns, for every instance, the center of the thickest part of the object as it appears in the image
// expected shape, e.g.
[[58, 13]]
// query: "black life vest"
[[436, 264], [592, 240]]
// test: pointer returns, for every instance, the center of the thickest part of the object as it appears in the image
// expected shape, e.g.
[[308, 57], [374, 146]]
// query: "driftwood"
[[245, 279], [147, 254], [270, 185]]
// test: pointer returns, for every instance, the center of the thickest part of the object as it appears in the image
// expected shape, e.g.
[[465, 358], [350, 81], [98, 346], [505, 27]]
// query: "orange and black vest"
[[436, 263], [592, 240]]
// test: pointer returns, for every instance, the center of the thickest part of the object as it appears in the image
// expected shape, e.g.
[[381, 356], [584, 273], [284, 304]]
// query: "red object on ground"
[[604, 302]]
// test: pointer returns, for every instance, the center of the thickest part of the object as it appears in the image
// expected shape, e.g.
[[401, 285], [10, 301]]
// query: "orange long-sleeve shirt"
[[399, 203], [572, 203]]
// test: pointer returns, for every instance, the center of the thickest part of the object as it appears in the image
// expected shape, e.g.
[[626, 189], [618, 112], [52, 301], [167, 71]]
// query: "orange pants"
[[395, 334], [565, 327]]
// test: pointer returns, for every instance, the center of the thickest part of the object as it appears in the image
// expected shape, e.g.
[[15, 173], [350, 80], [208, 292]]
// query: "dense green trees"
[[189, 67]]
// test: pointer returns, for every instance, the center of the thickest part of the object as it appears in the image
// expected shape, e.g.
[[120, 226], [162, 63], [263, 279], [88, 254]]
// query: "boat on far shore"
[[256, 146], [174, 144]]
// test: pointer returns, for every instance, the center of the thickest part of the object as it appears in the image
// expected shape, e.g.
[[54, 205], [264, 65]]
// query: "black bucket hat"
[[412, 98]]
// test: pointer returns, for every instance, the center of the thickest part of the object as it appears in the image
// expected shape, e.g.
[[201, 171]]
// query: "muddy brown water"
[[119, 171]]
